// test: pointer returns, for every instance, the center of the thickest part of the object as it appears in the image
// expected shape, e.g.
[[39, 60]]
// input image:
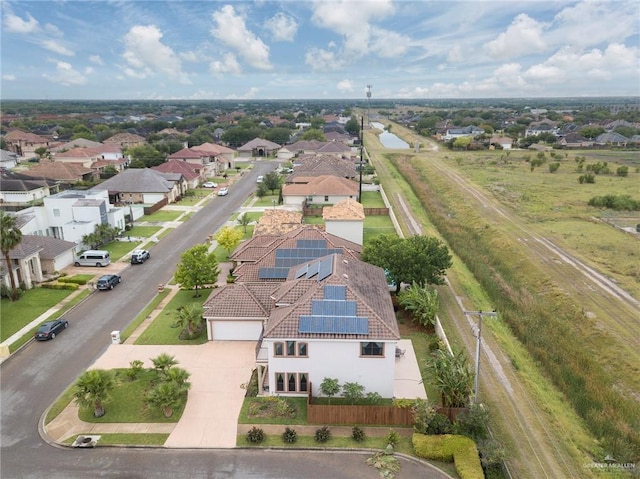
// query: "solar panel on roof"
[[333, 325], [325, 307], [273, 273], [313, 269], [326, 268], [335, 291], [311, 243], [302, 271]]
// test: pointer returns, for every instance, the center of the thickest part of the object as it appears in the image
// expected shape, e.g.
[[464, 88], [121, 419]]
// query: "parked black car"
[[108, 281], [49, 329]]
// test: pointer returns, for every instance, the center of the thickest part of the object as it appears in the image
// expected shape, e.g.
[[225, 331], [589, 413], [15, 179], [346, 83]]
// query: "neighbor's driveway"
[[218, 369]]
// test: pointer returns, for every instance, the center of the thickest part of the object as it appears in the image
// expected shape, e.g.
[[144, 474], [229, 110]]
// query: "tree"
[[197, 267], [41, 151], [417, 259], [162, 363], [179, 377], [591, 132], [228, 238], [453, 377], [102, 234], [272, 181], [352, 392], [10, 238], [422, 302], [189, 318], [93, 389], [314, 134], [243, 220], [462, 142], [352, 126], [329, 387], [146, 154], [166, 396], [278, 135]]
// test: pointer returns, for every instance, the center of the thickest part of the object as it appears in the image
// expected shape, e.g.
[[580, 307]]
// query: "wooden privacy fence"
[[371, 415]]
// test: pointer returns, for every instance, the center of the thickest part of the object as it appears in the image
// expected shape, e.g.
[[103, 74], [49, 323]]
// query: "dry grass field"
[[566, 364]]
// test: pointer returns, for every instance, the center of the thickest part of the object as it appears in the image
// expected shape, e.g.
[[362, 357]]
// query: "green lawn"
[[119, 249], [404, 444], [372, 199], [264, 404], [377, 225], [122, 439], [162, 215], [267, 201], [128, 403], [143, 231], [153, 304], [32, 303], [163, 330]]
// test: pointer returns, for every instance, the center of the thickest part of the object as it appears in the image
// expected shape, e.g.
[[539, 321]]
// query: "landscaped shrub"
[[373, 397], [357, 434], [392, 437], [439, 424], [255, 435], [289, 435], [56, 285], [72, 279], [323, 434], [135, 368], [457, 449], [473, 423]]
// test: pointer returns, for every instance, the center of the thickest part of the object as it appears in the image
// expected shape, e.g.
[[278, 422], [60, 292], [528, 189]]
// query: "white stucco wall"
[[349, 230], [239, 330], [337, 359]]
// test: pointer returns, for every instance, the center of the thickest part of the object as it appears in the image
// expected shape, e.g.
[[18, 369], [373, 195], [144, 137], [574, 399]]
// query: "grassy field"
[[161, 216], [143, 231], [559, 206]]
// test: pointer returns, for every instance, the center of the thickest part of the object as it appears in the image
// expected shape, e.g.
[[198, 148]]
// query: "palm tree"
[[93, 389], [163, 363], [189, 318], [10, 237], [179, 377], [166, 396], [244, 220]]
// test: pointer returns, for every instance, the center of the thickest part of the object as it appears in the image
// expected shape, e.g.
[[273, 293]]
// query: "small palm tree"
[[10, 237], [166, 396], [244, 220], [93, 388], [163, 363], [189, 318], [179, 377]]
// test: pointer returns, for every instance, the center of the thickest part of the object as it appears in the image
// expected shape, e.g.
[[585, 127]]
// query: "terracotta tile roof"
[[188, 170], [12, 181], [19, 135], [259, 143], [364, 284], [310, 166], [78, 143], [136, 180], [188, 154], [121, 138], [322, 185], [334, 147], [58, 171], [347, 209], [240, 301], [82, 153], [214, 148], [102, 163], [48, 246], [260, 251], [277, 222], [172, 131]]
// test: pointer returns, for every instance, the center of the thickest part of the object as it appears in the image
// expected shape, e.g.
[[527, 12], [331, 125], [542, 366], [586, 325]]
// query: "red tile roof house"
[[125, 140], [311, 166], [142, 186], [25, 143], [66, 174], [203, 159], [225, 157], [193, 174], [325, 189], [258, 147], [332, 317]]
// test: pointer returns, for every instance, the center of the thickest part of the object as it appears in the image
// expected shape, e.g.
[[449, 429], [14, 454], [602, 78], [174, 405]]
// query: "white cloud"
[[388, 44], [66, 75], [522, 37], [322, 60], [89, 70], [282, 27], [345, 85], [455, 54], [146, 55], [96, 59], [15, 24], [55, 47], [189, 56], [229, 64], [230, 29], [9, 77], [50, 28]]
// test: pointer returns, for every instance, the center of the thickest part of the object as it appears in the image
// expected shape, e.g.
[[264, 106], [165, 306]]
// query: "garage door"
[[236, 330]]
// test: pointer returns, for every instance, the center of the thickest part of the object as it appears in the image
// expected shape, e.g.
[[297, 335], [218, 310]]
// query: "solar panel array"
[[326, 307], [335, 291], [311, 243], [323, 268], [333, 325], [273, 273]]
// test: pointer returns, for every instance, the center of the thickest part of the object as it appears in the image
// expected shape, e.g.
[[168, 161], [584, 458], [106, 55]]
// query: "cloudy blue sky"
[[135, 49]]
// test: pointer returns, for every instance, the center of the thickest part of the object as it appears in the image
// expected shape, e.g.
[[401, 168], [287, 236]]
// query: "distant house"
[[345, 219], [258, 148], [504, 142], [192, 173], [540, 128], [204, 160], [574, 140], [324, 189], [320, 165], [65, 174], [24, 143], [8, 159], [468, 131], [83, 156], [225, 157], [125, 140], [142, 186], [611, 139]]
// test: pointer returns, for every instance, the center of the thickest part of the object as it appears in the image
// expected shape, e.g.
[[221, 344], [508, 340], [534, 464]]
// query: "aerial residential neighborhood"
[[341, 239]]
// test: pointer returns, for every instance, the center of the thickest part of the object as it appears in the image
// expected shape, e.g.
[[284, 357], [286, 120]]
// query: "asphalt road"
[[32, 379]]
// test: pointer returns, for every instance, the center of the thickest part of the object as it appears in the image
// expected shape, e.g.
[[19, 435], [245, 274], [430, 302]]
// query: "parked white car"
[[223, 192], [209, 184]]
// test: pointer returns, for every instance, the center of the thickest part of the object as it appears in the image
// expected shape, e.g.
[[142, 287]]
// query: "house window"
[[302, 349], [371, 349], [278, 349], [326, 198], [303, 382], [291, 348], [280, 382], [291, 382]]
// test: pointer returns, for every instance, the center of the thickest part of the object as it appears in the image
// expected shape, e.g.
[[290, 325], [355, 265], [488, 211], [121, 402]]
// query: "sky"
[[326, 49]]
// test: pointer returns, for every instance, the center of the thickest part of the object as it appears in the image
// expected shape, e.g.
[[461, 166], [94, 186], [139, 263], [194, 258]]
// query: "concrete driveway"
[[218, 369]]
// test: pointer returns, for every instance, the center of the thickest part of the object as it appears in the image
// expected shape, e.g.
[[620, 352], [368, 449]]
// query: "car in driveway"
[[223, 191], [209, 184], [50, 329], [260, 179], [139, 256], [108, 281]]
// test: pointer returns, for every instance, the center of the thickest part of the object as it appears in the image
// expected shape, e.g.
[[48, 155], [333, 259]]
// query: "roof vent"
[[345, 261], [345, 276]]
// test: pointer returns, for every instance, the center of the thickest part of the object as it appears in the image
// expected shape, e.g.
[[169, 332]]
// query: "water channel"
[[389, 140]]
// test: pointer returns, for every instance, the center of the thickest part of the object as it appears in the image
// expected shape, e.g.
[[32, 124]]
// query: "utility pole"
[[369, 87], [480, 315], [361, 166]]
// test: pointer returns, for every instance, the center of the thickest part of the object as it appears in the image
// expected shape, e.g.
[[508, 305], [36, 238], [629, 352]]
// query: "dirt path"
[[539, 445]]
